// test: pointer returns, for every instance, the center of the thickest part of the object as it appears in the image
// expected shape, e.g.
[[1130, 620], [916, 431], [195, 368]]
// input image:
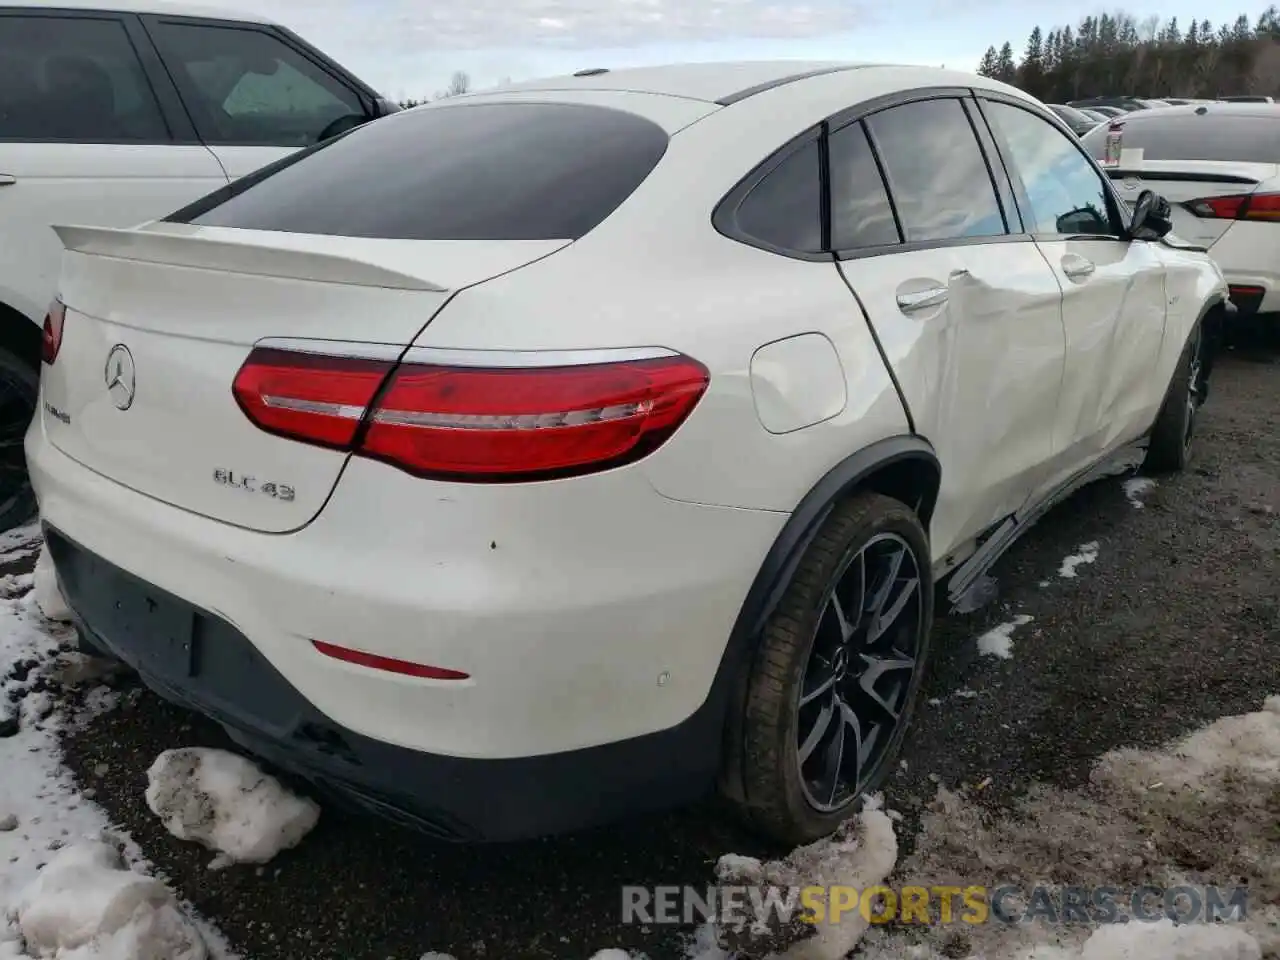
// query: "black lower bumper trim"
[[201, 661], [1245, 301]]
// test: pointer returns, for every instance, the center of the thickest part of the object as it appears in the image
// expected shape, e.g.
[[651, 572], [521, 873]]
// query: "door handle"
[[1077, 268], [6, 180], [922, 299]]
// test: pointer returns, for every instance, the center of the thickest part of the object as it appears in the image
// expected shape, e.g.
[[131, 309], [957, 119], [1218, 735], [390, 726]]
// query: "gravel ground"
[[1169, 628]]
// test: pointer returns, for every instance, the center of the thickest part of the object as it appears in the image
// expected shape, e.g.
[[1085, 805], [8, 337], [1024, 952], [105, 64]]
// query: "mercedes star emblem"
[[119, 375]]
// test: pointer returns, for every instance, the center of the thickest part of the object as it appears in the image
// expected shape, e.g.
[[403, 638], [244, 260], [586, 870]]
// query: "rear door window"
[[861, 216], [936, 171], [1192, 136], [75, 79], [486, 171], [245, 86]]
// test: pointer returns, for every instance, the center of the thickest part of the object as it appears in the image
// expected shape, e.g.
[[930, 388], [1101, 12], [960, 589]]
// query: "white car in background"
[[1218, 164], [611, 448], [116, 112]]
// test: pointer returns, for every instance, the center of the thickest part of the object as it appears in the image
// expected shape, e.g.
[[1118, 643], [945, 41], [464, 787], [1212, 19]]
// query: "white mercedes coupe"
[[546, 455]]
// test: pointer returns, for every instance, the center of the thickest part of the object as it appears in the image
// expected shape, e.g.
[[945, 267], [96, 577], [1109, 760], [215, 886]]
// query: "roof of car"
[[720, 82], [1261, 111], [174, 8]]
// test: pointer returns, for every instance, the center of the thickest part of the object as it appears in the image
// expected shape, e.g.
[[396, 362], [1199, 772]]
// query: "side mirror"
[[1152, 217], [384, 108]]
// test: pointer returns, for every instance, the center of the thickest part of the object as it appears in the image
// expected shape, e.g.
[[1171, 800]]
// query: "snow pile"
[[225, 803], [48, 597], [87, 904], [998, 641], [1157, 941], [1201, 811], [1088, 553], [64, 891], [861, 854], [1135, 488]]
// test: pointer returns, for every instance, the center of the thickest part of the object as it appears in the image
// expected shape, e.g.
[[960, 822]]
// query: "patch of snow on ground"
[[227, 804], [43, 816], [1135, 488], [861, 854], [87, 904], [1088, 553], [48, 598], [1198, 812], [998, 641]]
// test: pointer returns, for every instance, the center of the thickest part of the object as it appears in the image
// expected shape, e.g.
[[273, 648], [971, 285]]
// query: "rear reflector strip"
[[387, 664]]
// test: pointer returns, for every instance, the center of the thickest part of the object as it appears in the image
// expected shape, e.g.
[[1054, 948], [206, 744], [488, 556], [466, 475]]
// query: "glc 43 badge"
[[270, 488]]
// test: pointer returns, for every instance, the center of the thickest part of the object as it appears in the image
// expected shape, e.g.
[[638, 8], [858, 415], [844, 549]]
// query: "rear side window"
[[936, 171], [860, 212], [243, 85], [785, 208], [1191, 136], [74, 79], [504, 171]]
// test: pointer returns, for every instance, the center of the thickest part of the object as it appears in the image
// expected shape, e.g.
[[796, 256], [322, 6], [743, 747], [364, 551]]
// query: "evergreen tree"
[[1006, 68], [1113, 54], [989, 66]]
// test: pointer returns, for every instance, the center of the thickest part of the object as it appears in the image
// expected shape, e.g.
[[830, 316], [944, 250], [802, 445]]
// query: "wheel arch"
[[904, 467], [20, 334]]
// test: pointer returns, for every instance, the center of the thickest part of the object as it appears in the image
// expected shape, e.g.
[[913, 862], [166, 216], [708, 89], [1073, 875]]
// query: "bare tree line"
[[1118, 55]]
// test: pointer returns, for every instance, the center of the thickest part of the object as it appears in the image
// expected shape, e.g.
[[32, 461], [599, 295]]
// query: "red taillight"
[[473, 423], [374, 661], [308, 396], [51, 338], [1237, 206]]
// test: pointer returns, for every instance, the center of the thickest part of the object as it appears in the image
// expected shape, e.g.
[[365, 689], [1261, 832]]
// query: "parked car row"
[[1084, 115], [1218, 164], [121, 111]]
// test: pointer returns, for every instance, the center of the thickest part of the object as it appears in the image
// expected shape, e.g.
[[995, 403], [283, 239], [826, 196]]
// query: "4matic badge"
[[277, 491]]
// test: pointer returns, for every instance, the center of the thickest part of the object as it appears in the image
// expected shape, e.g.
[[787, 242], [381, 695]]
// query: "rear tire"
[[19, 393], [1174, 431], [830, 693]]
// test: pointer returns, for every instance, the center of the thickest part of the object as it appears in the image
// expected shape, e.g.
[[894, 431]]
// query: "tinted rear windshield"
[[505, 171], [1191, 136]]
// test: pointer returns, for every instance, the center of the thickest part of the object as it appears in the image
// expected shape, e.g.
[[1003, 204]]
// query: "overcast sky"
[[409, 48]]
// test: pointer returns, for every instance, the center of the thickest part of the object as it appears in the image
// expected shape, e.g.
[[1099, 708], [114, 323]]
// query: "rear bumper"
[[215, 670], [592, 619]]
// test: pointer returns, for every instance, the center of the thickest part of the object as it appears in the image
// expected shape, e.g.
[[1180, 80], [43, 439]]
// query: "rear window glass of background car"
[[75, 79], [507, 171], [1190, 136]]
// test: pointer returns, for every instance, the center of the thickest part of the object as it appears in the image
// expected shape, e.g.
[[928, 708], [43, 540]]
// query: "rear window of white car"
[[486, 171], [1192, 136]]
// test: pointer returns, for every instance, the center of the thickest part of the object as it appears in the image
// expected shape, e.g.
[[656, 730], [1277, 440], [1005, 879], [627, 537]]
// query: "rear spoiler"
[[163, 244], [1119, 173]]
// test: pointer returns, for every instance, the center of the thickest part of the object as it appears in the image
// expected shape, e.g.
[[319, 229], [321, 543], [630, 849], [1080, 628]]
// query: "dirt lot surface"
[[1170, 621]]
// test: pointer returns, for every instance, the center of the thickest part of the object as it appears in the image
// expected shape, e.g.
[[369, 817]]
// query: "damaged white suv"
[[544, 455]]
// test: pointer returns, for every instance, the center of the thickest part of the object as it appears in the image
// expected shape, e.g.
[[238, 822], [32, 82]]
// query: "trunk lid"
[[171, 311], [1181, 181]]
